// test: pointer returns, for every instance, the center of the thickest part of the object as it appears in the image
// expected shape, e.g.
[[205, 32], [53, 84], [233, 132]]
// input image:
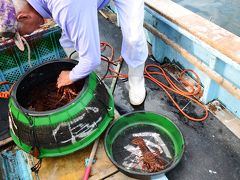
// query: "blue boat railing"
[[197, 44]]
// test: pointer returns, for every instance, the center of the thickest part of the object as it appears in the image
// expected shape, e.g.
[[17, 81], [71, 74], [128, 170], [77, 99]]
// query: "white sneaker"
[[137, 91]]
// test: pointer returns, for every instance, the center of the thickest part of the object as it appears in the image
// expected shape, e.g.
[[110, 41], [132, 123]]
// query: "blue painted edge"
[[14, 165], [211, 57]]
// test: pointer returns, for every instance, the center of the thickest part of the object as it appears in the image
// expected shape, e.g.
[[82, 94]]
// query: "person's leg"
[[134, 46]]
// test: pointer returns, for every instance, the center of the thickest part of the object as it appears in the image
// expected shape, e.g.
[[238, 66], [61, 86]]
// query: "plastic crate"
[[44, 46]]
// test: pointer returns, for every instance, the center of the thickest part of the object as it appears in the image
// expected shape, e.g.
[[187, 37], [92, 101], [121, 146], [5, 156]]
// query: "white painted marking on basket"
[[89, 127], [94, 109], [10, 124]]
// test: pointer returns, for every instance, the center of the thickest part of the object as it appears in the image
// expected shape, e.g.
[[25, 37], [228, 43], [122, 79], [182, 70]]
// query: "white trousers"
[[131, 18], [134, 45]]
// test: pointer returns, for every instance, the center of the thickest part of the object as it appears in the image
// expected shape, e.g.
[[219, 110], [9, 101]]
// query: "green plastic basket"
[[65, 129], [44, 46]]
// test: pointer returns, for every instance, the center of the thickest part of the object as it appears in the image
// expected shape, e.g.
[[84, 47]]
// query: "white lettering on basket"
[[84, 129]]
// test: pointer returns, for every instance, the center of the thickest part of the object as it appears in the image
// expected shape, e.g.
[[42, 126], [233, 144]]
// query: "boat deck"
[[212, 151]]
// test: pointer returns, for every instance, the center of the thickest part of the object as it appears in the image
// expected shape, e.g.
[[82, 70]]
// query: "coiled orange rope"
[[171, 87], [174, 88], [6, 94]]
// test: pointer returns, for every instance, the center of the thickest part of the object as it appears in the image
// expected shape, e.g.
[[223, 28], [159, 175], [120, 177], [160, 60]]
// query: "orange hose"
[[6, 94], [172, 86]]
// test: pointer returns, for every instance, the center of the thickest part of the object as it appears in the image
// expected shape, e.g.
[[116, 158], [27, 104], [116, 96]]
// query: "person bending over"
[[79, 23]]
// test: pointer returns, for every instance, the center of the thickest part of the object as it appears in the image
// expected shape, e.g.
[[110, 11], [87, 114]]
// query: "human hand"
[[63, 79]]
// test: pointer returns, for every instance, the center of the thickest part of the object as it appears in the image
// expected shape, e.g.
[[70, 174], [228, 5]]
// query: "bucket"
[[160, 135], [65, 129]]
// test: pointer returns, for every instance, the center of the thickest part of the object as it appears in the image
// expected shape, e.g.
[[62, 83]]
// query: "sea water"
[[225, 13]]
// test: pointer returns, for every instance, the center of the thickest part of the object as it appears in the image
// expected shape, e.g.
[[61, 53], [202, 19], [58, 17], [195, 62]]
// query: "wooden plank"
[[72, 166], [119, 176], [104, 173], [65, 167], [103, 167], [5, 141]]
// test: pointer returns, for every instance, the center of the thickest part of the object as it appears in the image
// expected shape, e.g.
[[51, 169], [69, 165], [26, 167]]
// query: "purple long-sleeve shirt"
[[79, 22]]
